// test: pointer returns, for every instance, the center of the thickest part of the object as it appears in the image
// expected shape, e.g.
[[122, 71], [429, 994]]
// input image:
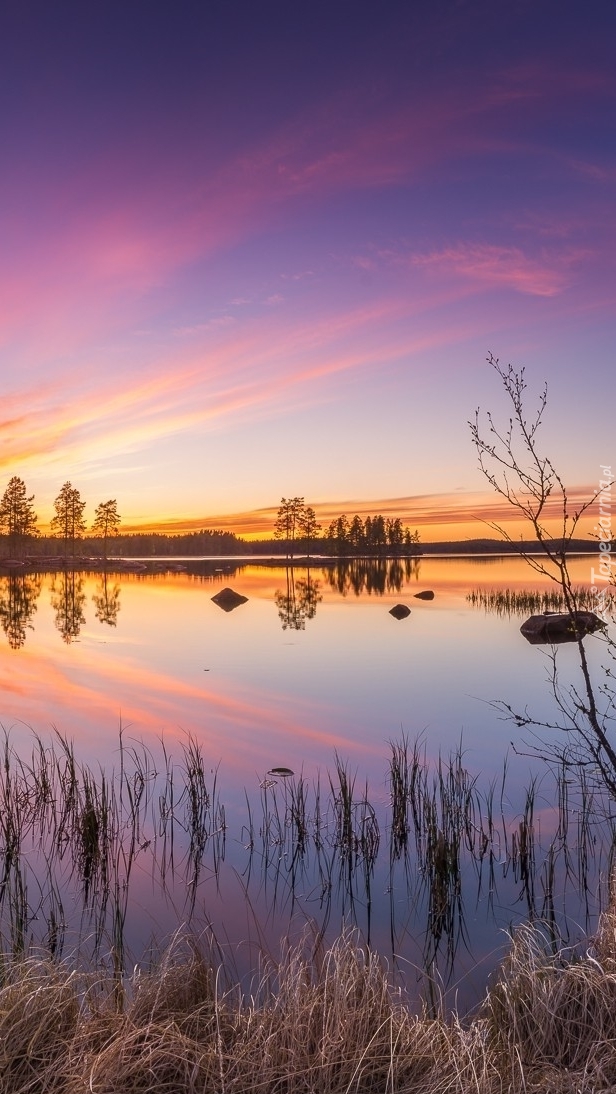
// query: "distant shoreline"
[[139, 563]]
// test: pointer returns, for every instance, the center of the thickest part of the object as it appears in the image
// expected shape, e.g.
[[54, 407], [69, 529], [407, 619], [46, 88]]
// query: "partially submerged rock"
[[427, 594], [553, 627], [399, 611], [228, 599]]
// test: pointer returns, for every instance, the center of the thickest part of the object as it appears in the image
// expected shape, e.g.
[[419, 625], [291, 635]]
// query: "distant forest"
[[221, 543], [296, 534]]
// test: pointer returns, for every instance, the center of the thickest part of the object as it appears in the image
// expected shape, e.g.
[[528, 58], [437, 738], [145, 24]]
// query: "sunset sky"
[[254, 249]]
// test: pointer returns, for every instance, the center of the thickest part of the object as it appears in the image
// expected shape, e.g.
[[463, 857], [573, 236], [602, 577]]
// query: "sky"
[[253, 249]]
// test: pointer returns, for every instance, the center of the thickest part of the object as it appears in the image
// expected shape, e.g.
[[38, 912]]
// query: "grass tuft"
[[316, 1022]]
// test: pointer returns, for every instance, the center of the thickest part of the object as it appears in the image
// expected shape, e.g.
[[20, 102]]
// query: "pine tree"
[[106, 521], [289, 514], [17, 517], [309, 526], [68, 521]]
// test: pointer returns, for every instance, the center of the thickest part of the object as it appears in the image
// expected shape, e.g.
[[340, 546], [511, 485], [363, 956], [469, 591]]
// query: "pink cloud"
[[463, 513], [127, 223], [503, 267]]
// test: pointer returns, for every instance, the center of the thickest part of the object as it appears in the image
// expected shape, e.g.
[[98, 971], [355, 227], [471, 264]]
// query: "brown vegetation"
[[313, 1024]]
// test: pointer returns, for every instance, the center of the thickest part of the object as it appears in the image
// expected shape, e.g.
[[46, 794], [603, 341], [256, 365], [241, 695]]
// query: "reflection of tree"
[[107, 601], [299, 602], [372, 576], [67, 600], [18, 596]]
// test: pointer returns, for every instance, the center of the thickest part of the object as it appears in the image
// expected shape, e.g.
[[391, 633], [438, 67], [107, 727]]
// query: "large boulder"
[[553, 627], [399, 611], [228, 599]]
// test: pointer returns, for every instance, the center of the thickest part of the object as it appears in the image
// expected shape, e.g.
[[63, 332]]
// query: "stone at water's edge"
[[399, 611], [228, 599], [427, 594], [552, 627]]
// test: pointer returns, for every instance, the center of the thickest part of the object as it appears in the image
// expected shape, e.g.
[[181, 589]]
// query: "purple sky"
[[259, 249]]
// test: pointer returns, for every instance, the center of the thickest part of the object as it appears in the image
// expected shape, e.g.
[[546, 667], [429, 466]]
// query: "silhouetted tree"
[[17, 517], [513, 464], [395, 533], [357, 535], [379, 533], [411, 539], [68, 521], [106, 522], [309, 526], [287, 522]]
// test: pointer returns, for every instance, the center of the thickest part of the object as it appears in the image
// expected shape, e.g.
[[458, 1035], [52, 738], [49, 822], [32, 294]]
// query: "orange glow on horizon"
[[439, 518]]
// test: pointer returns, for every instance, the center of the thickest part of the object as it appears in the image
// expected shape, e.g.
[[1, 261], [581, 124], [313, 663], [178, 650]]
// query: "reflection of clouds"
[[266, 700], [94, 692]]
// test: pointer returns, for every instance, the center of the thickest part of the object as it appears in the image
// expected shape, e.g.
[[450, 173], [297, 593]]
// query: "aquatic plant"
[[513, 602], [72, 839]]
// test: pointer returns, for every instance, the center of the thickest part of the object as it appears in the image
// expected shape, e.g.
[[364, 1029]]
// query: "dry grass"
[[316, 1023]]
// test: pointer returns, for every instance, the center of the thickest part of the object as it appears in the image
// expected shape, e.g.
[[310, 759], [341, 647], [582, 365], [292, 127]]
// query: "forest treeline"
[[296, 528], [296, 532]]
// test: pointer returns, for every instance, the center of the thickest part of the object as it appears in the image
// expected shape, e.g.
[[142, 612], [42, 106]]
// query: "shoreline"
[[180, 563]]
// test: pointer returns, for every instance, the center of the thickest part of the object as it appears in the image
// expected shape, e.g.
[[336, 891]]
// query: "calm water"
[[311, 666]]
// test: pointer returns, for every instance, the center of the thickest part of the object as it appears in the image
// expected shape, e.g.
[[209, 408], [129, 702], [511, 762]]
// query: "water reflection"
[[298, 601], [369, 575], [18, 596], [427, 864], [74, 837], [106, 599], [67, 600]]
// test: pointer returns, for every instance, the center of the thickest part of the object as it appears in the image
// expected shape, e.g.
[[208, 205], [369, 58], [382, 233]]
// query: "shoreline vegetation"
[[296, 532], [325, 1017], [326, 1023]]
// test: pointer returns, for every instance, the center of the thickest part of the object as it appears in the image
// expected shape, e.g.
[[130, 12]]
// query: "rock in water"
[[399, 611], [228, 599], [553, 627], [427, 594]]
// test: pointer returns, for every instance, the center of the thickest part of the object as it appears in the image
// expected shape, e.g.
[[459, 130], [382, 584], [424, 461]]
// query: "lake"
[[184, 710]]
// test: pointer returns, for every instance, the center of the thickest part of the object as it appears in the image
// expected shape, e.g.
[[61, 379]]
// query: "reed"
[[72, 838], [512, 602]]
